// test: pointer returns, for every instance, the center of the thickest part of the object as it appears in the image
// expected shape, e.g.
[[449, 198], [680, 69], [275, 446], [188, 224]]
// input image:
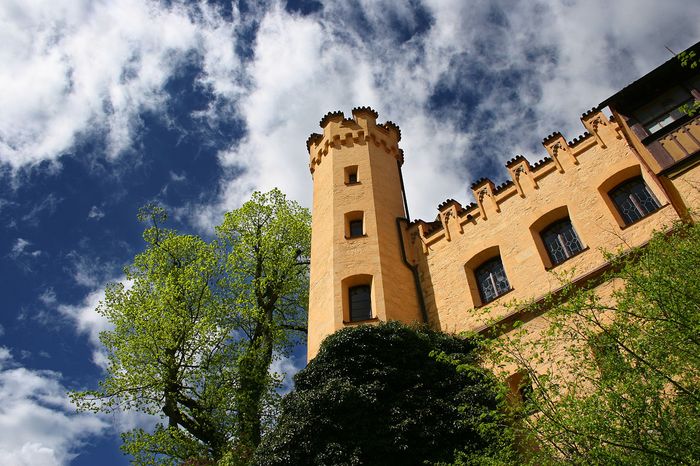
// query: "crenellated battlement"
[[525, 178], [361, 129]]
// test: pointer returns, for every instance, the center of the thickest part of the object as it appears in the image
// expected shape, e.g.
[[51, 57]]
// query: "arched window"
[[491, 280], [633, 200], [561, 241], [360, 302]]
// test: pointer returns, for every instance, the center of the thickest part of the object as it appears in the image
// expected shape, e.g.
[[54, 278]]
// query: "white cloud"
[[38, 422], [177, 178], [74, 68], [96, 213], [88, 322], [19, 247], [47, 205], [48, 297], [22, 255], [5, 356], [285, 368], [89, 272]]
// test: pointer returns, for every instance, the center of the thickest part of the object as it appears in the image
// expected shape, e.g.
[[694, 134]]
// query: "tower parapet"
[[359, 268], [339, 131]]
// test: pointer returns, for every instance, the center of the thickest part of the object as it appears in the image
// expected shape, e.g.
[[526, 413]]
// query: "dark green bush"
[[383, 395]]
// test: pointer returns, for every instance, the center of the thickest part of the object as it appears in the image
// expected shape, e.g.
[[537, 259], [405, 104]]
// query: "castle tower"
[[359, 271]]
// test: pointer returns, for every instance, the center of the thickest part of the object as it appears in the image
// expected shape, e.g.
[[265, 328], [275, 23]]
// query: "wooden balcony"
[[675, 142]]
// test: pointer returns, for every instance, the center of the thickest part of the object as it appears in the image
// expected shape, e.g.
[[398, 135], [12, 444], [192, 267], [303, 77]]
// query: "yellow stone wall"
[[508, 219], [375, 259], [687, 184]]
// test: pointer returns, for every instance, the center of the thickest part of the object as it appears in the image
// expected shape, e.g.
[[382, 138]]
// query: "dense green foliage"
[[623, 386], [387, 395], [196, 331]]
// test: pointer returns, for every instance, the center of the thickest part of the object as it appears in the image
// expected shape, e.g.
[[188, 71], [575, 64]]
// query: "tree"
[[195, 333], [689, 59], [266, 282], [383, 395], [616, 380]]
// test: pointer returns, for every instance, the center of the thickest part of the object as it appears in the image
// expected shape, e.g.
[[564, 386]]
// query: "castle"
[[625, 177]]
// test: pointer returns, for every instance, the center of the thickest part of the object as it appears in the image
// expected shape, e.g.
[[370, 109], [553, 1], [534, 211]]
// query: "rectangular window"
[[351, 175], [356, 228], [360, 303]]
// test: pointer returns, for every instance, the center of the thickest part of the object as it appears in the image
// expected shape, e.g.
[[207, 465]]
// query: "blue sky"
[[108, 104]]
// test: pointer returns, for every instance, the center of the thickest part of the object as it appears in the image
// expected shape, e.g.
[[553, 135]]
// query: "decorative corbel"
[[556, 146], [444, 218], [597, 124], [482, 189], [519, 167]]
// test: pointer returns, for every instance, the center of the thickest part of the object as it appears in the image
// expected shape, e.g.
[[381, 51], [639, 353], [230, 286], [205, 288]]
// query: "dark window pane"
[[491, 280], [355, 228], [360, 303], [352, 178], [561, 241], [663, 110], [634, 200]]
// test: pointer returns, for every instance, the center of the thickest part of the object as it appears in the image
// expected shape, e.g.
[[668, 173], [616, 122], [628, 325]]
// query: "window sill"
[[357, 322], [348, 183], [355, 237], [624, 227], [552, 267], [494, 299]]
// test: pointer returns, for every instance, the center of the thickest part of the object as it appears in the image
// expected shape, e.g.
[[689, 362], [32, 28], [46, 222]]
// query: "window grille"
[[634, 200], [561, 241], [491, 280]]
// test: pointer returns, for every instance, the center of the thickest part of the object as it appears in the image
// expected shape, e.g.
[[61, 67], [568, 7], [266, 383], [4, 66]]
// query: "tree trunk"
[[254, 380]]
